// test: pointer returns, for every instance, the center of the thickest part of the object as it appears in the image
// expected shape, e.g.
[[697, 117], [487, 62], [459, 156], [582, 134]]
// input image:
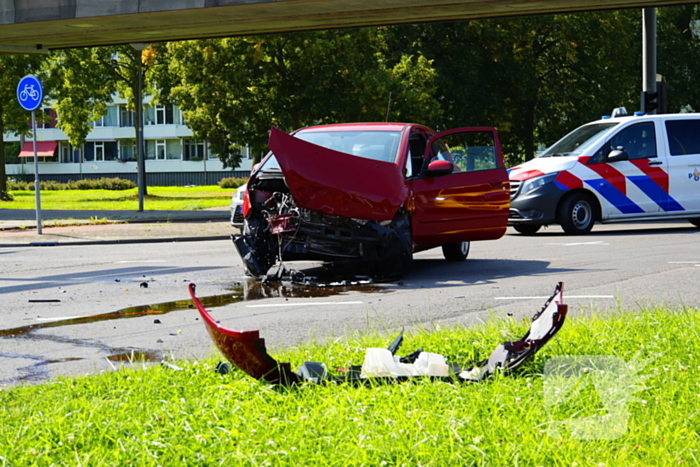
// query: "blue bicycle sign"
[[30, 93]]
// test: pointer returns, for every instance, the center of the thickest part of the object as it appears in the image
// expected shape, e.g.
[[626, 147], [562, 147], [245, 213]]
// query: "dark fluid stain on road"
[[137, 356], [245, 291]]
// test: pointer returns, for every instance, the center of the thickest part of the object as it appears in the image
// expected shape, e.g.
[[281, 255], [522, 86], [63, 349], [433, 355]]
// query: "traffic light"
[[650, 102]]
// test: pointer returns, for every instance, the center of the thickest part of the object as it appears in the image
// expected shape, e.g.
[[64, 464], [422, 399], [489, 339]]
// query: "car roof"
[[363, 126], [648, 117]]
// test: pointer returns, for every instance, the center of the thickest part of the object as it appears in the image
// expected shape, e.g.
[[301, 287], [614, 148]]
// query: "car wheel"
[[527, 229], [577, 214], [456, 251], [403, 242], [695, 221]]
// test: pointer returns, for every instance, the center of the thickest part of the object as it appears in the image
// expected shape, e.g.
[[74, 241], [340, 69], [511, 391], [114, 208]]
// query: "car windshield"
[[579, 140], [377, 145]]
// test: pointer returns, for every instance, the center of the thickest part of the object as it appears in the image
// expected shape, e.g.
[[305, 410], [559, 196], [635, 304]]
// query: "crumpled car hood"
[[336, 183]]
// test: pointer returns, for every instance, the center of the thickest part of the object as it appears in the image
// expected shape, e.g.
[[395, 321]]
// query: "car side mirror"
[[618, 155], [439, 168]]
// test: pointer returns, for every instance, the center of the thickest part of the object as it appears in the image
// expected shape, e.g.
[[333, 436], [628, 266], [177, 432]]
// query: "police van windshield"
[[578, 141]]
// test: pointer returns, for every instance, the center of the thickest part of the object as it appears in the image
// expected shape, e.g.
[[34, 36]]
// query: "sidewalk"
[[18, 227]]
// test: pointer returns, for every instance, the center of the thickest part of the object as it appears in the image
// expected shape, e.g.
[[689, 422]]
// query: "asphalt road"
[[66, 309]]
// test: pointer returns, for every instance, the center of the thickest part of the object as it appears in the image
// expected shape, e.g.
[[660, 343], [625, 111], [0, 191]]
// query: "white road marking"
[[547, 296], [269, 305], [142, 261], [684, 262], [580, 243]]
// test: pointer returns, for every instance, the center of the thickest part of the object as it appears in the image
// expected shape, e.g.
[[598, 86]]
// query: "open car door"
[[471, 201]]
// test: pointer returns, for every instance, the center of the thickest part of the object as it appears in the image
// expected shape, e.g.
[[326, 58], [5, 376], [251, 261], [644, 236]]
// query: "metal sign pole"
[[30, 93], [37, 183]]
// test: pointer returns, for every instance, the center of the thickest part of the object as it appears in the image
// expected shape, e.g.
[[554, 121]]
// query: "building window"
[[163, 149], [111, 119], [126, 117], [155, 149], [164, 114], [68, 154], [49, 119], [127, 150], [160, 149], [100, 151], [193, 150]]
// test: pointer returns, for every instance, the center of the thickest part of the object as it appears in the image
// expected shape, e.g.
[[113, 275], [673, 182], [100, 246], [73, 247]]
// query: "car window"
[[638, 141], [683, 137], [270, 164], [416, 151], [376, 145], [469, 151]]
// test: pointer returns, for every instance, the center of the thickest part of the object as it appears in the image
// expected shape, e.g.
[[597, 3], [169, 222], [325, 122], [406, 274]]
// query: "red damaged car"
[[373, 192]]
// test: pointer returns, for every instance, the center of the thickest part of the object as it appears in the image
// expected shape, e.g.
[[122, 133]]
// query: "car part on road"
[[247, 352]]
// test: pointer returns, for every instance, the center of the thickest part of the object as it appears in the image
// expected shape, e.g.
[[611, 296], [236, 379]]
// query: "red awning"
[[43, 149]]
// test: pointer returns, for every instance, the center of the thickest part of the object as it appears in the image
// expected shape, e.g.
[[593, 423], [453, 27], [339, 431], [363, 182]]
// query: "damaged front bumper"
[[246, 351], [289, 233]]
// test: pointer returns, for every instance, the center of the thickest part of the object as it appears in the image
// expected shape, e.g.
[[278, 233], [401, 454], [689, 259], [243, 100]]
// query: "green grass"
[[159, 198], [159, 416]]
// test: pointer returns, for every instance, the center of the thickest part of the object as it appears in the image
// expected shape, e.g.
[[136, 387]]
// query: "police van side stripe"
[[614, 196], [657, 174], [656, 193]]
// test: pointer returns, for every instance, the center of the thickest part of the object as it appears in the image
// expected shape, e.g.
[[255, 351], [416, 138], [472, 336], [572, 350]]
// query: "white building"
[[173, 157]]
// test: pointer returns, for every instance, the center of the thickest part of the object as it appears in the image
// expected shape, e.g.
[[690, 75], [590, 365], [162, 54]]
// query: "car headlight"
[[531, 184], [240, 193]]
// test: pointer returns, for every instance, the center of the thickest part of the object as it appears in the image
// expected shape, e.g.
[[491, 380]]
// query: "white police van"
[[624, 168]]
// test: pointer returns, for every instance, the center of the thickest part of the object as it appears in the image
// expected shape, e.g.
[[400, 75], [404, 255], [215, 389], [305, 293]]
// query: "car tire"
[[527, 229], [456, 251], [577, 214], [404, 242], [695, 221]]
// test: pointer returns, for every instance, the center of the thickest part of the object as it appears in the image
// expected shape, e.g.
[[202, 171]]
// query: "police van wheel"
[[577, 214], [527, 229], [695, 221]]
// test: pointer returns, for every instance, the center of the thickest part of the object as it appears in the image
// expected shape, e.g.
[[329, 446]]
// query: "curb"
[[121, 221], [118, 241]]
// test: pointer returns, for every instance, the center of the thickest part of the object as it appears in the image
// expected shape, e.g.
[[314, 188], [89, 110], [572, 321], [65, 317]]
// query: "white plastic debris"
[[380, 363]]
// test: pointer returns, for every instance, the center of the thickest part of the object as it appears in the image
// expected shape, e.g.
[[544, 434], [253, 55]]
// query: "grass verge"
[[159, 198], [160, 416]]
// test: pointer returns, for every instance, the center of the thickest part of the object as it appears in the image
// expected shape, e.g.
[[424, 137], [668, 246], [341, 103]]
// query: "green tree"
[[232, 90], [84, 81], [534, 78], [678, 43], [13, 118]]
